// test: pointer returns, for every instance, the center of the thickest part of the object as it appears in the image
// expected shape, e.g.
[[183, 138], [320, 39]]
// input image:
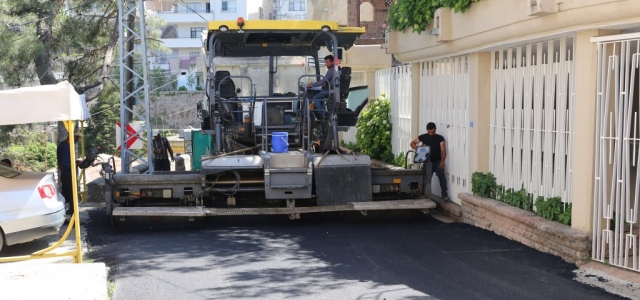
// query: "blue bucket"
[[280, 142]]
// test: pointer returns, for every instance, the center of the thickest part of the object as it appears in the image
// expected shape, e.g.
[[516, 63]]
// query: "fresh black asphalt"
[[401, 255]]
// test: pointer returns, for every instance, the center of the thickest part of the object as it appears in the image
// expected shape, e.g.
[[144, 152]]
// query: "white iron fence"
[[532, 100], [383, 82], [444, 100], [617, 182]]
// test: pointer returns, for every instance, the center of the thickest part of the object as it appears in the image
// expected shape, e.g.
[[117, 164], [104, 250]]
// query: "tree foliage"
[[416, 14], [105, 113], [26, 150], [74, 40], [374, 130]]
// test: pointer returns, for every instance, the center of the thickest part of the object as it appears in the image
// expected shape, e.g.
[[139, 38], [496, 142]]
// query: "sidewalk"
[[614, 280], [52, 278]]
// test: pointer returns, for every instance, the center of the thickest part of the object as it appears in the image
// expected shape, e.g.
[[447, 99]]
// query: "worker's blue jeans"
[[430, 168], [318, 100]]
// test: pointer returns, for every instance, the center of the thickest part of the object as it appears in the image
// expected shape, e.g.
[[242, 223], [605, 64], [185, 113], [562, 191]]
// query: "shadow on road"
[[401, 255]]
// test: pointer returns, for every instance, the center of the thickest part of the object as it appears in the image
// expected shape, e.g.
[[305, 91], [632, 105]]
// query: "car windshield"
[[8, 172]]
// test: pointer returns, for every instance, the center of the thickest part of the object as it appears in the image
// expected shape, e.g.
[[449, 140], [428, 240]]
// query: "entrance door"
[[444, 100], [617, 182]]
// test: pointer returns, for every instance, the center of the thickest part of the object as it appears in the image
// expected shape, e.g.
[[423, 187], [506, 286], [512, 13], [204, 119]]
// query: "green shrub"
[[27, 151], [416, 14], [349, 145], [182, 88], [374, 130], [484, 185], [401, 160], [198, 88]]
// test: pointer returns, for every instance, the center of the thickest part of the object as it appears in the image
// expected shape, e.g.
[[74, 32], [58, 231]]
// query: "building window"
[[195, 7], [261, 13], [194, 54], [196, 32], [297, 5], [366, 12], [229, 6]]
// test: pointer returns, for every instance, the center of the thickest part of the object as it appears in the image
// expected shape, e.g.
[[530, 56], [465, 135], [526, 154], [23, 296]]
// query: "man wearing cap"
[[437, 156], [160, 158], [64, 167]]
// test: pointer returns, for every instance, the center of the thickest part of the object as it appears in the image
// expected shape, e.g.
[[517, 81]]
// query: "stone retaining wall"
[[526, 227]]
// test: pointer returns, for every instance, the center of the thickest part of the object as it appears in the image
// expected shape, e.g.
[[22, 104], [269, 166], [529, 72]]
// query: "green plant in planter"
[[498, 193], [550, 209], [565, 216], [483, 185], [523, 200]]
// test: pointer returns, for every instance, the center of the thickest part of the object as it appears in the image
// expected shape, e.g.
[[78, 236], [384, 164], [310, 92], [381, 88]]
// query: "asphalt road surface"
[[399, 256]]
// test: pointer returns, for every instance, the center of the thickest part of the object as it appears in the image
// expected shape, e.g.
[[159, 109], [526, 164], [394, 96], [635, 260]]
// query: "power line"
[[189, 8]]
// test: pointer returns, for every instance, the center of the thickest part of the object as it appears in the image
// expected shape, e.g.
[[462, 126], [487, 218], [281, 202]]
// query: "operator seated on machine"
[[325, 83]]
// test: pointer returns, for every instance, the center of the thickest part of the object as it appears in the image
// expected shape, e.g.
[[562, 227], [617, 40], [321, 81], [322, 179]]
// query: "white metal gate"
[[401, 104], [617, 182], [444, 100], [383, 79], [532, 100]]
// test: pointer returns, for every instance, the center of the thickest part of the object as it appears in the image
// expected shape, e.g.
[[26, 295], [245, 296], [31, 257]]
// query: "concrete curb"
[[527, 228]]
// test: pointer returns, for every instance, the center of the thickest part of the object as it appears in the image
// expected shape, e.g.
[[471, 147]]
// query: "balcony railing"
[[181, 36], [184, 11]]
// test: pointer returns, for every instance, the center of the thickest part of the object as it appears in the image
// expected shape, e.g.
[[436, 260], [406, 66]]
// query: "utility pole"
[[133, 44]]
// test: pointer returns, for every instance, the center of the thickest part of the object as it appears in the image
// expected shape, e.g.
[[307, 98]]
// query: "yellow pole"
[[83, 175], [74, 188]]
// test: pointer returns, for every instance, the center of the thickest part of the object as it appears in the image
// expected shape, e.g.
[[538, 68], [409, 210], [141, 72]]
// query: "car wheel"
[[1, 238]]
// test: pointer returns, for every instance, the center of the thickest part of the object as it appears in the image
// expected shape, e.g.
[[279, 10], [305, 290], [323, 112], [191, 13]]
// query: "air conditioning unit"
[[442, 25], [542, 7]]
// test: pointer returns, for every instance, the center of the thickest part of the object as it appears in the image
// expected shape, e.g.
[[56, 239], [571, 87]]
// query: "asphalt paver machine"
[[274, 153]]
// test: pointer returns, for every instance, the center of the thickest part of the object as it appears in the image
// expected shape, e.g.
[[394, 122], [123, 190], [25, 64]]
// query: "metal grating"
[[287, 160], [532, 100], [444, 100], [617, 175]]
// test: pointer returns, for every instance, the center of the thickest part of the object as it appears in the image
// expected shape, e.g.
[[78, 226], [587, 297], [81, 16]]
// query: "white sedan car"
[[30, 206]]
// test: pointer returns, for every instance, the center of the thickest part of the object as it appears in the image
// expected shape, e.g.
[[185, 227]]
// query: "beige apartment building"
[[545, 95]]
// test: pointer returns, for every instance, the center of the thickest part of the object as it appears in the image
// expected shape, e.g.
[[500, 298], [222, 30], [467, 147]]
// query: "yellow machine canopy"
[[255, 38]]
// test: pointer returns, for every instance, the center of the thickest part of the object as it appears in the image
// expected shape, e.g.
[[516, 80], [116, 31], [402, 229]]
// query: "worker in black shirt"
[[437, 156]]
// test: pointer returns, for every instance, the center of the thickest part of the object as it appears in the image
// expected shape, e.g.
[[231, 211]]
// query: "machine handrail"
[[265, 127], [252, 97], [306, 108]]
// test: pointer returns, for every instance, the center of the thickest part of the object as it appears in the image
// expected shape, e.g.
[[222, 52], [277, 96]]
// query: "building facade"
[[544, 95]]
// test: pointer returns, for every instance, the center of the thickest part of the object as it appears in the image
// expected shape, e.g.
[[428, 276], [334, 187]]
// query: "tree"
[[191, 78], [77, 38], [105, 113]]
